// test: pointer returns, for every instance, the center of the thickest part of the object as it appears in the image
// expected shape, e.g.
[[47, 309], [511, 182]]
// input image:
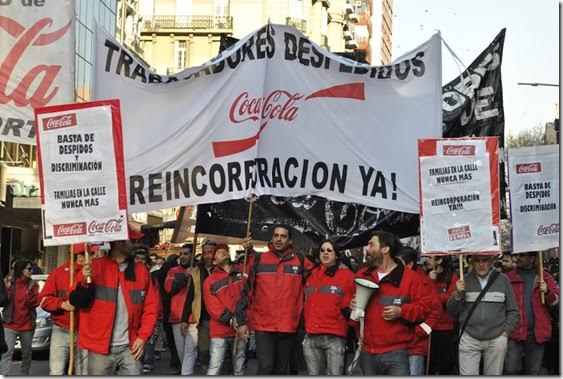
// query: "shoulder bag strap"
[[492, 279]]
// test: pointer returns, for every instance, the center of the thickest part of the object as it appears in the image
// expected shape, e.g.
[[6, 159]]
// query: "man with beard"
[[275, 285], [118, 311], [398, 303]]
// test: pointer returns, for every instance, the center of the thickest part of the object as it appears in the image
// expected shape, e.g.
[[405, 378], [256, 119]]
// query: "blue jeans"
[[532, 352], [394, 362], [416, 365], [26, 336], [119, 361], [59, 352], [324, 354], [219, 348]]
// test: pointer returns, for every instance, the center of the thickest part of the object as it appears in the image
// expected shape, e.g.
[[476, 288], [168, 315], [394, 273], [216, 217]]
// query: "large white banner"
[[36, 62], [276, 113], [460, 196], [534, 197], [80, 156]]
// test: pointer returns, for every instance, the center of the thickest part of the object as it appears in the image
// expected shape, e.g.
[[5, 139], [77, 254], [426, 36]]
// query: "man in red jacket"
[[275, 284], [533, 329], [221, 291], [118, 311], [54, 299], [394, 307]]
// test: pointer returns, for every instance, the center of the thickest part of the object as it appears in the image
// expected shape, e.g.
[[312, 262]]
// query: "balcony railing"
[[297, 23], [187, 22]]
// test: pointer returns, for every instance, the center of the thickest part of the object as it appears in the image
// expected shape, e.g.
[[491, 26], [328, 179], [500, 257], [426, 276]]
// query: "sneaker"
[[157, 356], [147, 368]]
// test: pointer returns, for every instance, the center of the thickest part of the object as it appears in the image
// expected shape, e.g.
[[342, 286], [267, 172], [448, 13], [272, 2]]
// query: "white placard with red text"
[[277, 115], [80, 156], [459, 196], [534, 197], [36, 62]]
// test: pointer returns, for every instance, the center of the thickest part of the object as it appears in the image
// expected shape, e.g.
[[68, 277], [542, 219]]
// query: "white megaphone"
[[364, 289]]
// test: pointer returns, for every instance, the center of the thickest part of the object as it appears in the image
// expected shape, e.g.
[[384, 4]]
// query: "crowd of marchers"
[[282, 308]]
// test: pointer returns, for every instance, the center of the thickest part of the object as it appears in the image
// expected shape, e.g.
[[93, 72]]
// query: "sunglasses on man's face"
[[28, 268]]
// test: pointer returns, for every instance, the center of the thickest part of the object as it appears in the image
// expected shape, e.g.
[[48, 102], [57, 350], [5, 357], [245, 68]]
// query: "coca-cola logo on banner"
[[35, 88], [551, 229], [114, 225], [459, 233], [464, 150], [64, 121], [280, 105], [528, 168], [71, 229]]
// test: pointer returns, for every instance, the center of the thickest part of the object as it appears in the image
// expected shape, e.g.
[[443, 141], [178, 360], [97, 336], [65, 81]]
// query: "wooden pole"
[[461, 267], [71, 331], [428, 357], [87, 262], [540, 266], [248, 223]]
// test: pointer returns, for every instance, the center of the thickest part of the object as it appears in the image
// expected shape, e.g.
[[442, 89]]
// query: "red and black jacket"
[[401, 287], [56, 291], [275, 284], [419, 343], [221, 291], [445, 284], [98, 302], [328, 292], [176, 285], [542, 325]]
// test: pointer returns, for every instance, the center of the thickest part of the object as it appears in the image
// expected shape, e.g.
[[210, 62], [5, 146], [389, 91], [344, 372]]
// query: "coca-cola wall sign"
[[274, 114], [459, 194], [534, 197], [81, 171], [36, 63]]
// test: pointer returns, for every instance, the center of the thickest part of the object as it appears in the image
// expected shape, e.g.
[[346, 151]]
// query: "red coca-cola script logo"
[[41, 77], [458, 149], [58, 122], [551, 229], [528, 168], [72, 229], [278, 105], [110, 226], [459, 233]]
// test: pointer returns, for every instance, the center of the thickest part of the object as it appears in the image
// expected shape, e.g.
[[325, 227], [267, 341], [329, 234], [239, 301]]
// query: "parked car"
[[43, 327]]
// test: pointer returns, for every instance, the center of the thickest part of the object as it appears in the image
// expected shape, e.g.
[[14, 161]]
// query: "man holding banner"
[[118, 311], [399, 301], [487, 311]]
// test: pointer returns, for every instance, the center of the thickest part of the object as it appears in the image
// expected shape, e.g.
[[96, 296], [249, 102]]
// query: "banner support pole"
[[461, 267], [540, 266], [71, 328], [428, 357]]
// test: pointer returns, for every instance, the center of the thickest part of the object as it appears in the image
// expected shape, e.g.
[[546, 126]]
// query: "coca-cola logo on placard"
[[528, 168], [278, 105], [459, 233], [550, 229], [458, 150], [64, 121], [71, 229], [114, 225]]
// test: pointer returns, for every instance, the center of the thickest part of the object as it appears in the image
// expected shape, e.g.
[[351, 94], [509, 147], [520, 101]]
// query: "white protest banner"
[[459, 189], [533, 174], [80, 157], [36, 62], [275, 113]]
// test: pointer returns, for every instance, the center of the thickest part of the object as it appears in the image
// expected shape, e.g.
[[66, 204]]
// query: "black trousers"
[[442, 352], [175, 362], [273, 351]]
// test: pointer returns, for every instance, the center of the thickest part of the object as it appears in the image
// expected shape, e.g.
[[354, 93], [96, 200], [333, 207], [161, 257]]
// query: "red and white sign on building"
[[534, 197], [82, 175], [36, 62], [459, 196]]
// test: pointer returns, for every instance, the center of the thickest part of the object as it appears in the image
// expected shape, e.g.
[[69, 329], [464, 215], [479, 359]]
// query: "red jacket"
[[19, 314], [98, 303], [221, 291], [542, 326], [446, 322], [327, 299], [56, 291], [401, 287], [176, 284], [419, 343], [276, 287]]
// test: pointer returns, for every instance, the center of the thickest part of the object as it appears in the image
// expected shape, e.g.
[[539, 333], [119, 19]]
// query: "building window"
[[180, 54]]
